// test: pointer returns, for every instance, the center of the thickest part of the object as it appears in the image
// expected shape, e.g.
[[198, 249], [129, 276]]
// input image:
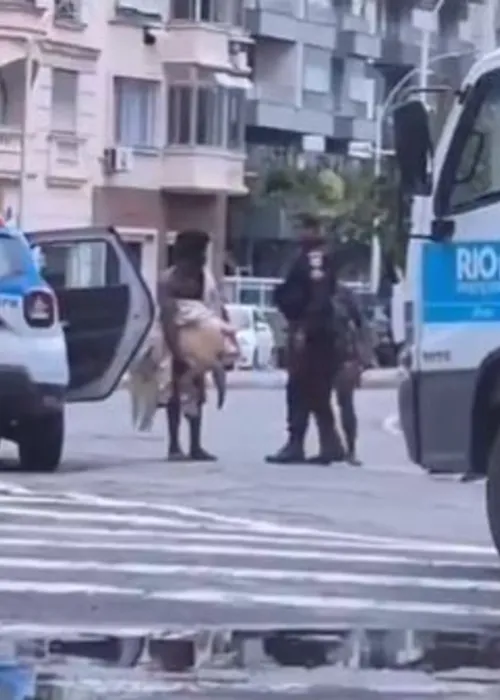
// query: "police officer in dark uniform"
[[354, 351], [305, 300]]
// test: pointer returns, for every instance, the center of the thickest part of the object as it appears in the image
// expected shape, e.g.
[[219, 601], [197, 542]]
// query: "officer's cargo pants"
[[309, 388], [346, 382]]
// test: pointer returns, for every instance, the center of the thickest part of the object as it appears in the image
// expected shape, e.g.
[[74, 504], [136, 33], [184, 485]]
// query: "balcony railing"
[[66, 158], [10, 150], [282, 7], [268, 91]]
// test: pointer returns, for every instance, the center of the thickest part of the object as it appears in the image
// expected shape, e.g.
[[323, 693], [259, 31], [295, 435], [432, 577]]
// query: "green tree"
[[306, 190], [353, 205]]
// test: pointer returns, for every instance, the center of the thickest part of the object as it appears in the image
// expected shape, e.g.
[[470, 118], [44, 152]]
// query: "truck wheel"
[[40, 441], [493, 492]]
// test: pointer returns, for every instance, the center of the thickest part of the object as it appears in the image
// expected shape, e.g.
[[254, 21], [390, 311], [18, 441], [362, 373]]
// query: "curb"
[[372, 379], [272, 381]]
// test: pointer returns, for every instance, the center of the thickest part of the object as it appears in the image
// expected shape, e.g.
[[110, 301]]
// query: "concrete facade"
[[321, 66], [138, 111], [135, 115]]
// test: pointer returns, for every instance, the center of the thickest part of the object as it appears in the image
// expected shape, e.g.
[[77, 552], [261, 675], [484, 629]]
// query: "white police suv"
[[68, 331]]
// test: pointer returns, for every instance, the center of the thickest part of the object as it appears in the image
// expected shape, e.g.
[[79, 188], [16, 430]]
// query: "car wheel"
[[40, 441]]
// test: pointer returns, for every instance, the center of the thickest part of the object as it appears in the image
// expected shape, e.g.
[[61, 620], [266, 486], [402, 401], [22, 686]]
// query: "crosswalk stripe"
[[246, 573], [333, 557], [70, 544], [323, 602], [176, 523], [257, 525], [203, 518], [14, 489], [310, 554], [130, 539]]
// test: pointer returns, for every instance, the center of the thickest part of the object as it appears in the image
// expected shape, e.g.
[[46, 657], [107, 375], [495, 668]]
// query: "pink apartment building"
[[133, 115]]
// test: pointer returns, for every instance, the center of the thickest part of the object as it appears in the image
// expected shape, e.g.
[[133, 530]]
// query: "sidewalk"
[[276, 379]]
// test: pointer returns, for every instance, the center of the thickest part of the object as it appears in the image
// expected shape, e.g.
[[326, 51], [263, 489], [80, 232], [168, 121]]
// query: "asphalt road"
[[120, 540]]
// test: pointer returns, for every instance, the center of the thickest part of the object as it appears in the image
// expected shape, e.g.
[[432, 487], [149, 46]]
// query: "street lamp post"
[[425, 51], [422, 71], [25, 132], [383, 109]]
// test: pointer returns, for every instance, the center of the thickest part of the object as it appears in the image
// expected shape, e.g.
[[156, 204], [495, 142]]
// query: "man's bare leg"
[[175, 453], [196, 452]]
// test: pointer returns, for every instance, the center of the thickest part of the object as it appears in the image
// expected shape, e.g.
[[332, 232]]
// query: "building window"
[[69, 10], [209, 116], [217, 11], [180, 114], [317, 70], [236, 119], [204, 113], [319, 10], [338, 76], [183, 9], [135, 112], [139, 10], [64, 100]]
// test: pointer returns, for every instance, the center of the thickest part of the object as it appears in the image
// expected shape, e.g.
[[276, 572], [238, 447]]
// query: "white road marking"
[[14, 489], [23, 630], [216, 522], [391, 425], [227, 551], [171, 531], [138, 540], [63, 588], [214, 597], [139, 520], [252, 574]]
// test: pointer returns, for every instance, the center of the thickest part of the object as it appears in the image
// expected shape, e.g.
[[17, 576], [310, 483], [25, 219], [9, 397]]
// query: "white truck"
[[449, 402]]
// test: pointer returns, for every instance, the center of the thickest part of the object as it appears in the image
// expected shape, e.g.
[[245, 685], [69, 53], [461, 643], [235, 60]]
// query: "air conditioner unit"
[[118, 160], [124, 160], [238, 55], [240, 61]]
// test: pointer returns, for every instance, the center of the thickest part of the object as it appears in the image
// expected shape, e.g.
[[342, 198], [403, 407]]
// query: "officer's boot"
[[291, 453], [293, 450], [352, 457], [330, 445]]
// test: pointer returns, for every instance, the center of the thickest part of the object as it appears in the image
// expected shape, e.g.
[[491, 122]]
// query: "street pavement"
[[120, 541], [91, 561]]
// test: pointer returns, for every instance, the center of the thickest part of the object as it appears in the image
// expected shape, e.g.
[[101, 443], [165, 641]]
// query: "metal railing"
[[258, 291]]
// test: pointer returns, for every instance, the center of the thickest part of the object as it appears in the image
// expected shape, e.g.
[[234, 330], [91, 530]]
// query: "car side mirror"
[[413, 145]]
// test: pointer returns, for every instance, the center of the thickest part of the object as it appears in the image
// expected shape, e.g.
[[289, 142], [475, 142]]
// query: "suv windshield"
[[13, 256]]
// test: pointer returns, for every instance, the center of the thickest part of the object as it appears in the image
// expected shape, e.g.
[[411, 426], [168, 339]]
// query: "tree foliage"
[[354, 205]]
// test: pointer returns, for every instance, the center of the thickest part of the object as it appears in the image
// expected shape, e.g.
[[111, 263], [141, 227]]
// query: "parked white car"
[[254, 334]]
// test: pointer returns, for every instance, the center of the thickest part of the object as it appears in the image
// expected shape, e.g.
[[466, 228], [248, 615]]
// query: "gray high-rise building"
[[322, 68]]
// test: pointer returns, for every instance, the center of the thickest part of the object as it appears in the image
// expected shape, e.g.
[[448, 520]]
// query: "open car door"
[[106, 309]]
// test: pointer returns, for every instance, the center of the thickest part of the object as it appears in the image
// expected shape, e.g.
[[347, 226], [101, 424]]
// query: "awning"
[[233, 81]]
